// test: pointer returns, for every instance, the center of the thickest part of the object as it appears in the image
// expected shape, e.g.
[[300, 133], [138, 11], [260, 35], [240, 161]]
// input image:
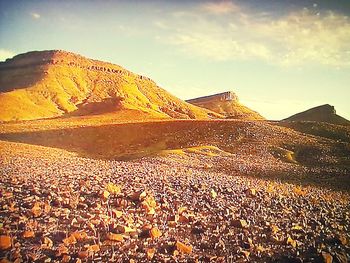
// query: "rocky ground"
[[59, 207]]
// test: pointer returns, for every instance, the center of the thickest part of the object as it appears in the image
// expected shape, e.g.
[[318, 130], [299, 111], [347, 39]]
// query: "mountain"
[[55, 83], [226, 104], [323, 113]]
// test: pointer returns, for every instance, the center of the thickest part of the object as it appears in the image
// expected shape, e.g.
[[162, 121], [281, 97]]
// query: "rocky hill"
[[227, 104], [46, 84], [323, 113]]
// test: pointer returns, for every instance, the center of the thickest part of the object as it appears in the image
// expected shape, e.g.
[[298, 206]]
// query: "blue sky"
[[280, 57]]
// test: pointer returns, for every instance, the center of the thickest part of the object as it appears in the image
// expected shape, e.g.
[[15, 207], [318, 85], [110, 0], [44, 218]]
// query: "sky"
[[279, 56]]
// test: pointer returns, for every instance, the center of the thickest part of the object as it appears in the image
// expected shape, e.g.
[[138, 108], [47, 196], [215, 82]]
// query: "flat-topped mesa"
[[224, 96], [227, 104], [62, 58], [39, 58], [43, 60]]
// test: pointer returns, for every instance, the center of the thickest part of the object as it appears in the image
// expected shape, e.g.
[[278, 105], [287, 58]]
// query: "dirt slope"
[[322, 129]]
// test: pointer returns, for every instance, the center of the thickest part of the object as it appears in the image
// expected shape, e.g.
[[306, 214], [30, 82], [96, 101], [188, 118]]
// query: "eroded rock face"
[[224, 96], [227, 104], [55, 83]]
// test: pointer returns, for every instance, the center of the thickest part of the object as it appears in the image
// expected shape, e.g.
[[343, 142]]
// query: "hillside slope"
[[321, 129], [46, 84], [323, 113], [227, 104]]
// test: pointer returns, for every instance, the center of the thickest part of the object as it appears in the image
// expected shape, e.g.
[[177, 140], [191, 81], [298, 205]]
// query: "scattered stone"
[[39, 195], [291, 242], [241, 223], [251, 192], [5, 242], [183, 247], [327, 258], [115, 237]]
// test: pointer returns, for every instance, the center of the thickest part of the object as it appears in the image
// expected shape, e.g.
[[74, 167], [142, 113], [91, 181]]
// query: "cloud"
[[35, 15], [219, 7], [160, 24], [5, 54], [297, 38]]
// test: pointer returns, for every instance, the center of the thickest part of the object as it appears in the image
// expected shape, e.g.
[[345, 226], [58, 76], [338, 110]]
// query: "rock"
[[326, 257], [113, 189], [251, 192], [94, 248], [83, 254], [155, 233], [150, 253], [117, 213], [291, 242], [183, 219], [245, 253], [138, 196], [46, 243], [28, 234], [241, 223], [183, 247], [213, 194], [105, 195], [125, 229], [5, 242], [115, 237], [342, 240], [197, 230]]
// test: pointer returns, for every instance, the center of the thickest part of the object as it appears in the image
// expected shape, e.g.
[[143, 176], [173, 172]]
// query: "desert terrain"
[[98, 164]]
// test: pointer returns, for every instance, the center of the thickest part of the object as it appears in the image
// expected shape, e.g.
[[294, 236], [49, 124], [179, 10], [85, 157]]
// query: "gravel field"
[[59, 207]]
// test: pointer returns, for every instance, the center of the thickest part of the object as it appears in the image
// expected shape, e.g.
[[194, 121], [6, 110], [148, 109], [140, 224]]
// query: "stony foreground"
[[63, 208]]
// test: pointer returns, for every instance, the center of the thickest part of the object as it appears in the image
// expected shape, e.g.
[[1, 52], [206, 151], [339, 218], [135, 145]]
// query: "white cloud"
[[4, 54], [35, 15], [297, 38]]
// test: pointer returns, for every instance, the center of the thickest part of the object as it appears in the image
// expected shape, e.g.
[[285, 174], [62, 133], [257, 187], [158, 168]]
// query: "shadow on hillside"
[[23, 74], [321, 129], [330, 177], [332, 181], [107, 105], [135, 140], [118, 141]]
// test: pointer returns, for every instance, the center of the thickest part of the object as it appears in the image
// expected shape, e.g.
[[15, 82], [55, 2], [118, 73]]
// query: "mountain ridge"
[[321, 113], [56, 83]]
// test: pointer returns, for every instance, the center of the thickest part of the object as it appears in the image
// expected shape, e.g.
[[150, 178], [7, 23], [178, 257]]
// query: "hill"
[[227, 104], [321, 129], [323, 113], [46, 84]]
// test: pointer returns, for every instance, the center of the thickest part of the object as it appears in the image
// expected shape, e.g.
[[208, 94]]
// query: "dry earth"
[[194, 205]]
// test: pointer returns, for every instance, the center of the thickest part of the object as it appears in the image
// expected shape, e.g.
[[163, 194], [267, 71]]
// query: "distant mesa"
[[226, 104], [56, 83], [323, 113]]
